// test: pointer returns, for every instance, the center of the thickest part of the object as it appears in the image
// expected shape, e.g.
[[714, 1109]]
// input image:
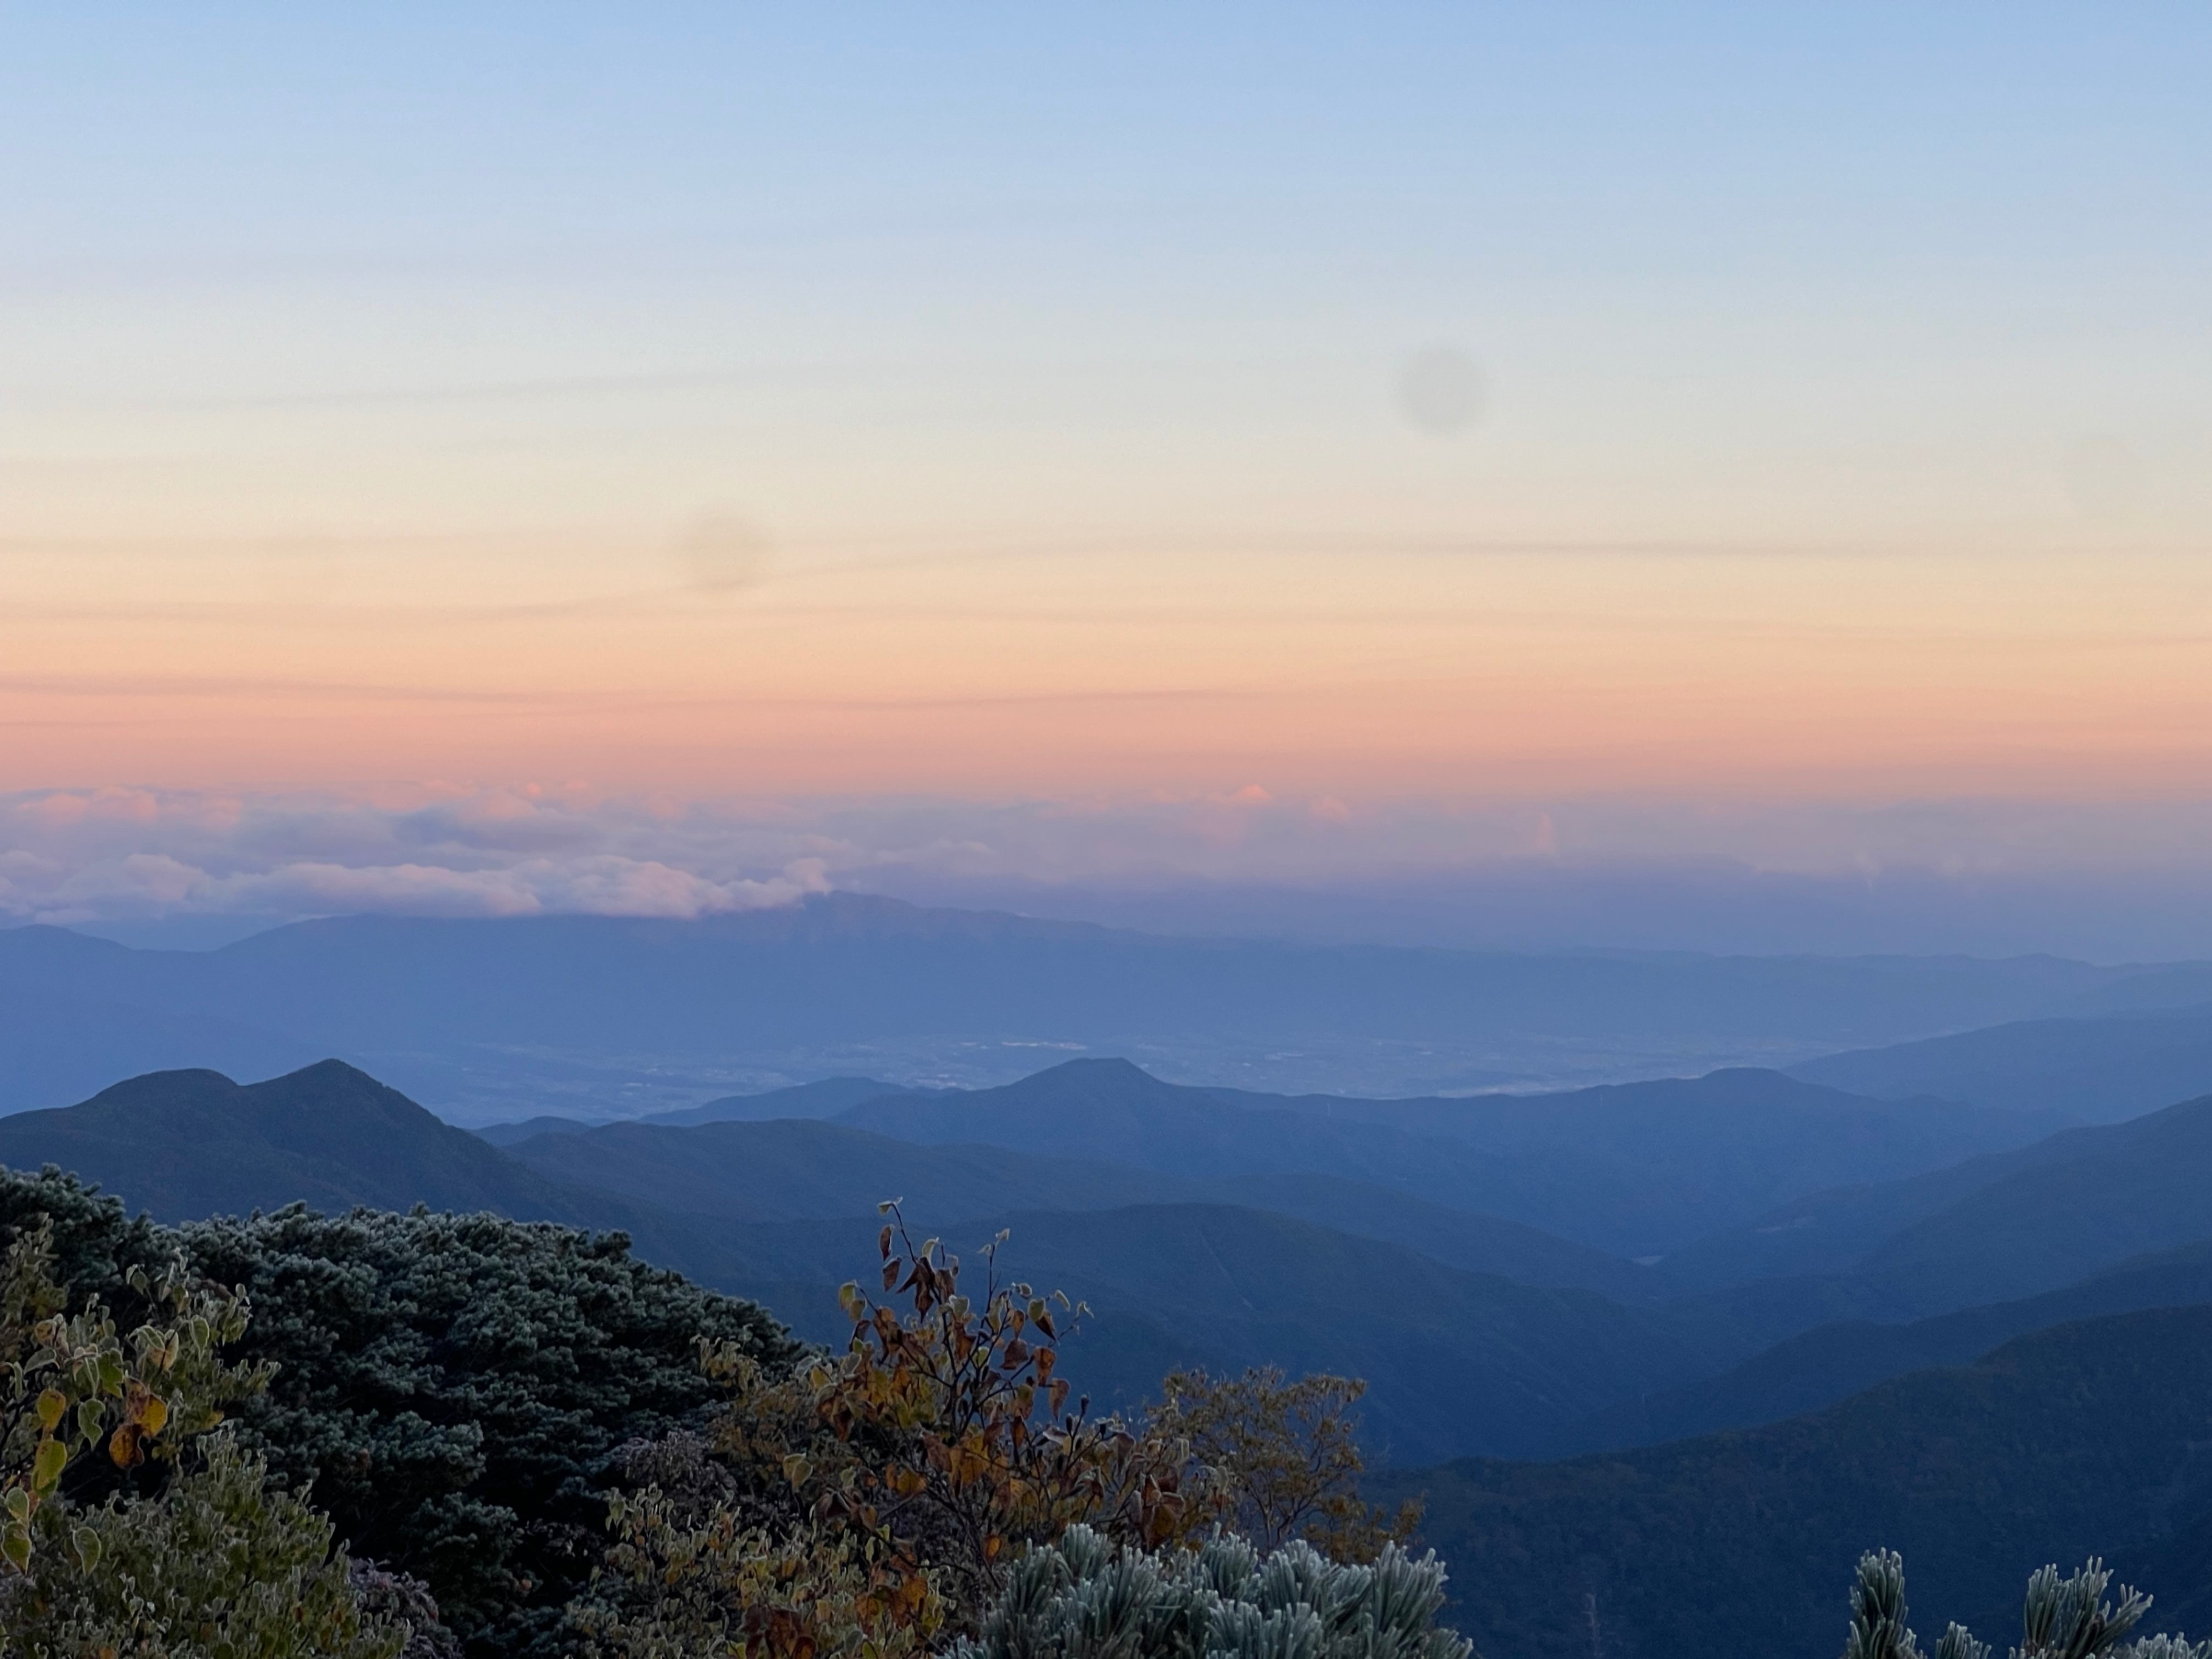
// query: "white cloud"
[[120, 856]]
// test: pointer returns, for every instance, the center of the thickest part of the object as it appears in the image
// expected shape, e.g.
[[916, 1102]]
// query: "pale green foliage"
[[2068, 1618], [218, 1567], [1878, 1610], [70, 1382], [1084, 1598]]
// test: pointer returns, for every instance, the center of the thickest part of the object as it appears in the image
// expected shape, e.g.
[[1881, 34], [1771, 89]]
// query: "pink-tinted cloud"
[[114, 857]]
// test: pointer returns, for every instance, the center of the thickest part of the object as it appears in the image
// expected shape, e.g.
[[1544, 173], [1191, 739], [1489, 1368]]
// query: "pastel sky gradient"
[[999, 405]]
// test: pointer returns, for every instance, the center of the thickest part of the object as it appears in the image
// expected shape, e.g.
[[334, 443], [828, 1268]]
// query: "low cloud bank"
[[2111, 882]]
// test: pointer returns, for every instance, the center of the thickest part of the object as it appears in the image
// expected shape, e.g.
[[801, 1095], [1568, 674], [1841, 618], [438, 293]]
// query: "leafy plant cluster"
[[877, 1502], [191, 1553], [72, 1381], [220, 1566], [2068, 1618], [1085, 1598]]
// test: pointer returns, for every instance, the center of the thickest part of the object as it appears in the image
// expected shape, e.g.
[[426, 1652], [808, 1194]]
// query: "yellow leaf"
[[52, 1404], [46, 1466]]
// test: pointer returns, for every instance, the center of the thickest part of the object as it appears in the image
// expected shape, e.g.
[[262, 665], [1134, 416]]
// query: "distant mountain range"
[[2091, 1070], [600, 1017], [1226, 1228], [1991, 1351], [797, 1170], [786, 1210], [1997, 1227], [1636, 1170], [824, 1098]]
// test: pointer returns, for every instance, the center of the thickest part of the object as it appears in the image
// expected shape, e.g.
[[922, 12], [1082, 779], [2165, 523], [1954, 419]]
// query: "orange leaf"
[[124, 1448]]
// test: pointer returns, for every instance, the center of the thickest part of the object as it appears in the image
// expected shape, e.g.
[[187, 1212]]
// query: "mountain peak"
[[1105, 1067], [183, 1142]]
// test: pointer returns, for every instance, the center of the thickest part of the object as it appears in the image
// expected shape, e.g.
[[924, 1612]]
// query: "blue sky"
[[1035, 383]]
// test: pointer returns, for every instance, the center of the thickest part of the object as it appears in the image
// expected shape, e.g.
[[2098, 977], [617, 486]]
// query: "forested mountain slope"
[[2093, 1438], [1996, 1228], [185, 1145], [1833, 1361]]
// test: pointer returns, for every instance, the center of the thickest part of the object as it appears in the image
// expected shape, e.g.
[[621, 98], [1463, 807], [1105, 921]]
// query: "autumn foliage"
[[874, 1503], [1276, 1461]]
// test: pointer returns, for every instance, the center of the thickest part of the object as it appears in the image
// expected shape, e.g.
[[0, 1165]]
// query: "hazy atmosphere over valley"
[[1206, 834]]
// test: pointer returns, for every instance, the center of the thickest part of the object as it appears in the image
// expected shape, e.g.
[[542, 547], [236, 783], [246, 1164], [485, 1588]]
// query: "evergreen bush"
[[1084, 1598], [2066, 1618]]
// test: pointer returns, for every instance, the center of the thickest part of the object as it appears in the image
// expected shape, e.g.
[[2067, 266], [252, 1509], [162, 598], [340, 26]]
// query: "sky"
[[1061, 457]]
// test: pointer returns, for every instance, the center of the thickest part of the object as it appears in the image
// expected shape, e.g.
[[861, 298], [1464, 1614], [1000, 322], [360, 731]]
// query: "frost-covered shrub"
[[2060, 1618], [404, 1599], [219, 1566], [1084, 1598]]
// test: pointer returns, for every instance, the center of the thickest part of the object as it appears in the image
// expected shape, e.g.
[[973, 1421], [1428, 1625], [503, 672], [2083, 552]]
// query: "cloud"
[[92, 856], [152, 885], [2094, 878]]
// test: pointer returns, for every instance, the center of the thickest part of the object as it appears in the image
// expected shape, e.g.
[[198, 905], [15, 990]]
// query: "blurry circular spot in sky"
[[721, 552], [1440, 390]]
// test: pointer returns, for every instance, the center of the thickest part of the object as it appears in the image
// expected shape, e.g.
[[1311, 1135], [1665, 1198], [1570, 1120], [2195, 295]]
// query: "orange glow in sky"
[[1703, 411]]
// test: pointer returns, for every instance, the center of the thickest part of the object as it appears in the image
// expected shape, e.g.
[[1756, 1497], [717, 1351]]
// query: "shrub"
[[454, 1387], [94, 1244], [70, 1383], [398, 1597], [942, 1440], [1084, 1598], [2060, 1618], [191, 1556], [218, 1567], [681, 1583]]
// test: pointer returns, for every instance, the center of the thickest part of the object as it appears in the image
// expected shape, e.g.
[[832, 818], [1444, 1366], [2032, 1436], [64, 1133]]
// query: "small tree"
[[1277, 1460], [878, 1499], [944, 1436]]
